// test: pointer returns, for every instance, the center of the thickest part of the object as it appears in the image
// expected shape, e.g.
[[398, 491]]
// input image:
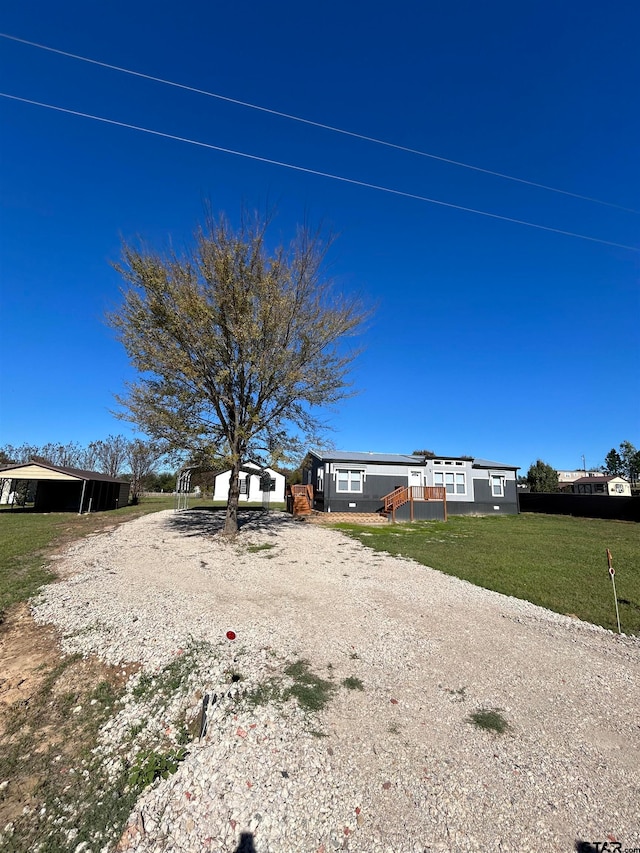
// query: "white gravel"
[[400, 768]]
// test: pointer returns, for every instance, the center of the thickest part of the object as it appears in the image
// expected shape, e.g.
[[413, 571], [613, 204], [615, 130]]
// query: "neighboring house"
[[359, 482], [256, 485], [566, 479], [605, 484]]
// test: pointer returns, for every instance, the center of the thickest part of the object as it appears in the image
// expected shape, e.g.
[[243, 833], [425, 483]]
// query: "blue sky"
[[490, 338]]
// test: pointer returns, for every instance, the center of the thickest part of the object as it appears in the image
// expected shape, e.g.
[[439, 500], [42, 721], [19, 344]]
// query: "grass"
[[352, 683], [28, 538], [255, 549], [46, 750], [558, 562], [46, 753], [151, 765], [173, 677], [312, 692], [489, 719]]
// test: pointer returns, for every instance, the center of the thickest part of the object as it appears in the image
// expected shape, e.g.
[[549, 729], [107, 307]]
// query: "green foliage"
[[489, 719], [557, 562], [310, 691], [172, 678], [151, 765], [542, 477], [255, 549], [235, 344], [613, 463], [162, 482], [48, 754], [352, 683], [630, 460], [267, 692]]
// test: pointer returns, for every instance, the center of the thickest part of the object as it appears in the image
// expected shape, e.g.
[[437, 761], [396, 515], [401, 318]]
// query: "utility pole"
[[584, 465]]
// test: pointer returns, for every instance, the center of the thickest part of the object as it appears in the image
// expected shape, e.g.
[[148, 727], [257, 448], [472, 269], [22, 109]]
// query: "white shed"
[[257, 485]]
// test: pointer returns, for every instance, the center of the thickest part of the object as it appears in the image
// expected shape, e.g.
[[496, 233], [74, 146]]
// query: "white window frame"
[[320, 479], [499, 480], [452, 488], [349, 490]]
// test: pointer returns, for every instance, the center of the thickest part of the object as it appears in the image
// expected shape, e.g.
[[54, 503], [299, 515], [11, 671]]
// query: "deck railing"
[[409, 494]]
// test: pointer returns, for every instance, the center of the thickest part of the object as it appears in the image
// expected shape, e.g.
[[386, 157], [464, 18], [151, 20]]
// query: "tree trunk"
[[231, 519]]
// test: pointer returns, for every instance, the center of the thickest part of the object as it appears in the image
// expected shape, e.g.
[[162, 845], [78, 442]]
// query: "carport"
[[59, 489]]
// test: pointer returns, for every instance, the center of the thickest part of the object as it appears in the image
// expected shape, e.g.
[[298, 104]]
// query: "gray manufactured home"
[[419, 487]]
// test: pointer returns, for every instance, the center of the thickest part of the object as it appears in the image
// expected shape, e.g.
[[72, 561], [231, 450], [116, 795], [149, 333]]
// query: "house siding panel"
[[374, 487], [465, 469], [422, 511], [485, 502]]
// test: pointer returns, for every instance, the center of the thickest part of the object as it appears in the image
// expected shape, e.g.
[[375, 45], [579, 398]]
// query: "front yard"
[[558, 562]]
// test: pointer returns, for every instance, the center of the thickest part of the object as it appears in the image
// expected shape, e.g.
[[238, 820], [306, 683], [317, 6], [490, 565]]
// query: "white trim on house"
[[349, 480], [251, 485]]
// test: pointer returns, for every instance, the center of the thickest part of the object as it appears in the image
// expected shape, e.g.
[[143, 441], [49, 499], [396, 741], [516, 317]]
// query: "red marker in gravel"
[[231, 635]]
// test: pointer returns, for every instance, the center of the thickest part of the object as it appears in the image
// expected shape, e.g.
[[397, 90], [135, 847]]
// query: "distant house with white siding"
[[257, 485]]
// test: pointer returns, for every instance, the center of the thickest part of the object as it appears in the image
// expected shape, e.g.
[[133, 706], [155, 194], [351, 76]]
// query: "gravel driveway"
[[400, 767]]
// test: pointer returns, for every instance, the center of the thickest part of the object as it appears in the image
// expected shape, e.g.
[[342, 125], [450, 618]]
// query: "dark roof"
[[73, 472], [485, 463], [400, 459], [605, 478], [359, 456]]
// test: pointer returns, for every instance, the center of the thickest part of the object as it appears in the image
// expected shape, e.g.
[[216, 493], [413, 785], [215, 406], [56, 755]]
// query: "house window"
[[454, 483], [320, 479], [619, 488], [244, 486], [348, 480], [497, 486]]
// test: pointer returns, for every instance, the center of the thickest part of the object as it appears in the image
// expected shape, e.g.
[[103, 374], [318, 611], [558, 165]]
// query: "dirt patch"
[[27, 652], [51, 707]]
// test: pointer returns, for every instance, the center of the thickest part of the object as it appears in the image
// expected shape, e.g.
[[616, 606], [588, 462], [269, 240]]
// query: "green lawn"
[[26, 538], [558, 562]]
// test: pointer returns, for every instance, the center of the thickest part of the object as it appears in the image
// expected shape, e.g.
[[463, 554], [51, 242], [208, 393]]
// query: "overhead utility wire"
[[318, 124], [317, 172]]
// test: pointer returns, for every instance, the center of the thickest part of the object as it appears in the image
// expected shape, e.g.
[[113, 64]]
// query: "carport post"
[[84, 486]]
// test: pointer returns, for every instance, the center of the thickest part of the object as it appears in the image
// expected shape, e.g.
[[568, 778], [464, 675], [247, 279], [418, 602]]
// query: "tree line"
[[135, 460], [621, 462]]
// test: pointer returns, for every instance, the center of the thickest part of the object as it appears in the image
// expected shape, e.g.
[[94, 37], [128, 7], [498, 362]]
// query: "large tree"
[[542, 477], [624, 462], [613, 463], [236, 345], [630, 461]]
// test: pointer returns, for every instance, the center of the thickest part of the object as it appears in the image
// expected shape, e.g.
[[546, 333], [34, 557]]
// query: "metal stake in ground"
[[612, 572]]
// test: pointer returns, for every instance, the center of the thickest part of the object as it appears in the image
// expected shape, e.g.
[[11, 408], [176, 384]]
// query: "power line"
[[308, 171], [317, 124]]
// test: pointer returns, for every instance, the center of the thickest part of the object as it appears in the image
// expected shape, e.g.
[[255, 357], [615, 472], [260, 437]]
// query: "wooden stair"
[[409, 494], [300, 500]]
